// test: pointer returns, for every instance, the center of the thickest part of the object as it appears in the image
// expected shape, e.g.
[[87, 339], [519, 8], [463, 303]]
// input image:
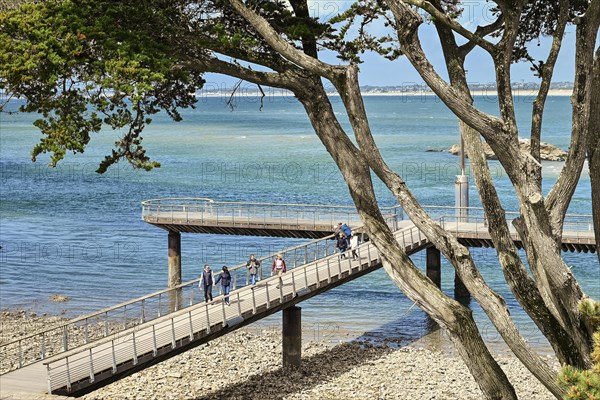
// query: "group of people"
[[207, 280], [345, 239]]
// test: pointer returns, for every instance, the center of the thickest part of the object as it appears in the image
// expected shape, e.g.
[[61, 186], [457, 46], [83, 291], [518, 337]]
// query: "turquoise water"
[[71, 231]]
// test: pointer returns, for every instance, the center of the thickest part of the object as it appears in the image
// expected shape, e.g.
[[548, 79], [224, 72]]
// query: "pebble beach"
[[246, 364]]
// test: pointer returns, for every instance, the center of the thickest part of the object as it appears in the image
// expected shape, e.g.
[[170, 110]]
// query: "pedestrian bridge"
[[310, 221], [96, 349]]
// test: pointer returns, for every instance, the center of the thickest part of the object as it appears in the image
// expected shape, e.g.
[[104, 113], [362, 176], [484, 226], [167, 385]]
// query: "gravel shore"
[[246, 364]]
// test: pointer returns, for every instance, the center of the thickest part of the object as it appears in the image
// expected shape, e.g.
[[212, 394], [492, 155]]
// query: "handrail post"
[[191, 326], [68, 374], [20, 354], [207, 319], [159, 305], [317, 274], [143, 311], [268, 297], [173, 339], [328, 271], [293, 285], [154, 347], [49, 379], [114, 357], [65, 339], [91, 367], [305, 277], [43, 345], [239, 304], [135, 358], [224, 315]]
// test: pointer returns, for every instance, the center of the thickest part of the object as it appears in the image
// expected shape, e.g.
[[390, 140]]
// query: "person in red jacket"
[[278, 268]]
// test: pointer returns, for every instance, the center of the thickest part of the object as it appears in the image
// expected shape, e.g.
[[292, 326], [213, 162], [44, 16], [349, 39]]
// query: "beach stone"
[[59, 298], [247, 364]]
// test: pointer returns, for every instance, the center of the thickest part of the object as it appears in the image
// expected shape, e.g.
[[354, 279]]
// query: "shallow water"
[[73, 232]]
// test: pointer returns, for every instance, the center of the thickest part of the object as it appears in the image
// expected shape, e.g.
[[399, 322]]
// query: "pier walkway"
[[94, 350], [103, 347], [316, 221]]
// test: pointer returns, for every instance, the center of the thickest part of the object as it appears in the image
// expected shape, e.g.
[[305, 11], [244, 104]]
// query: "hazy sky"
[[378, 71]]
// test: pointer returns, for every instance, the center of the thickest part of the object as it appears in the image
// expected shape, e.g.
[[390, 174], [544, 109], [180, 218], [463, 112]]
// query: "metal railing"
[[239, 213], [83, 330], [182, 210], [88, 328], [197, 322]]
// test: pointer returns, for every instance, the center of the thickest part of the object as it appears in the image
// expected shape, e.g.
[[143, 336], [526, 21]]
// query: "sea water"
[[69, 231]]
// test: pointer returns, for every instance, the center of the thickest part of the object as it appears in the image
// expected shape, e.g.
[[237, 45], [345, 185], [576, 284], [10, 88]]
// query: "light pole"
[[461, 185]]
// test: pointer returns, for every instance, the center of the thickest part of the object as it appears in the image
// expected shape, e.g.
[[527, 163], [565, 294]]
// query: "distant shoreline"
[[518, 93]]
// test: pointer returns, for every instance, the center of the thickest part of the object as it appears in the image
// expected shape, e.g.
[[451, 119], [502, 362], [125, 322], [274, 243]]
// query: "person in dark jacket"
[[342, 245], [225, 278], [206, 283]]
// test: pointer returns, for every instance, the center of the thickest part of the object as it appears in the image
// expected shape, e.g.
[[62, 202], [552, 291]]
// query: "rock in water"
[[548, 152]]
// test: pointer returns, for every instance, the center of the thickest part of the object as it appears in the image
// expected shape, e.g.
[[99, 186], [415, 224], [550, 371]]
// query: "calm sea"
[[70, 231]]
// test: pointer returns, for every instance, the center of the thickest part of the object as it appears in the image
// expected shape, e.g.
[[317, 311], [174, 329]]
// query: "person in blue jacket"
[[225, 278]]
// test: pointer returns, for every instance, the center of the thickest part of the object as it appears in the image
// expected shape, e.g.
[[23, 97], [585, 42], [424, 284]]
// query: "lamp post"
[[461, 185]]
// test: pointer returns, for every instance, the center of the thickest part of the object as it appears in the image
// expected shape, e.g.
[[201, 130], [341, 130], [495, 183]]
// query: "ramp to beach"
[[94, 350]]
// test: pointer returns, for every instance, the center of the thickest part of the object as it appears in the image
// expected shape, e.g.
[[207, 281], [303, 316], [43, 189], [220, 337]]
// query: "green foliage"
[[353, 37], [585, 385], [85, 64]]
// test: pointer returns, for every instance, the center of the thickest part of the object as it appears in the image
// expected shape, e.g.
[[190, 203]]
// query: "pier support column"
[[174, 259], [292, 337], [460, 290], [174, 272], [434, 265]]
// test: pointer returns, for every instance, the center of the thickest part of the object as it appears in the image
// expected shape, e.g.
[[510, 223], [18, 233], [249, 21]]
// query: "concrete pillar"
[[460, 290], [434, 265], [292, 337], [174, 259], [174, 278]]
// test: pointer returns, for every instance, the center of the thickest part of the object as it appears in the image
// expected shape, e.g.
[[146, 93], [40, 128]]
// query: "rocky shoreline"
[[246, 364]]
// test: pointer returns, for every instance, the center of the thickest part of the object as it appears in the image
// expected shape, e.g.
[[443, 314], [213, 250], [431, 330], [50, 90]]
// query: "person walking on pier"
[[225, 278], [345, 229], [206, 282], [342, 244], [278, 268], [354, 246], [253, 265]]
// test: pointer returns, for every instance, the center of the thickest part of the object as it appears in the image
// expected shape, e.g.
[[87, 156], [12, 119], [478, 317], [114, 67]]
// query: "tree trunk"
[[448, 313], [593, 151]]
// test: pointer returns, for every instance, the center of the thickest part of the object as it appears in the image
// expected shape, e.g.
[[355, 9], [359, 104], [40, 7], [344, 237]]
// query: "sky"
[[378, 71]]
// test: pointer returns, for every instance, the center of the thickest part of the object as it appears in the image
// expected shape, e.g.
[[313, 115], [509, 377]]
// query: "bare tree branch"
[[281, 46], [441, 17], [546, 74], [563, 189]]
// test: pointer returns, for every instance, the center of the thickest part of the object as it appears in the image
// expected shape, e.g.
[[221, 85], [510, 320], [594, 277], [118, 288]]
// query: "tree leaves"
[[85, 64]]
